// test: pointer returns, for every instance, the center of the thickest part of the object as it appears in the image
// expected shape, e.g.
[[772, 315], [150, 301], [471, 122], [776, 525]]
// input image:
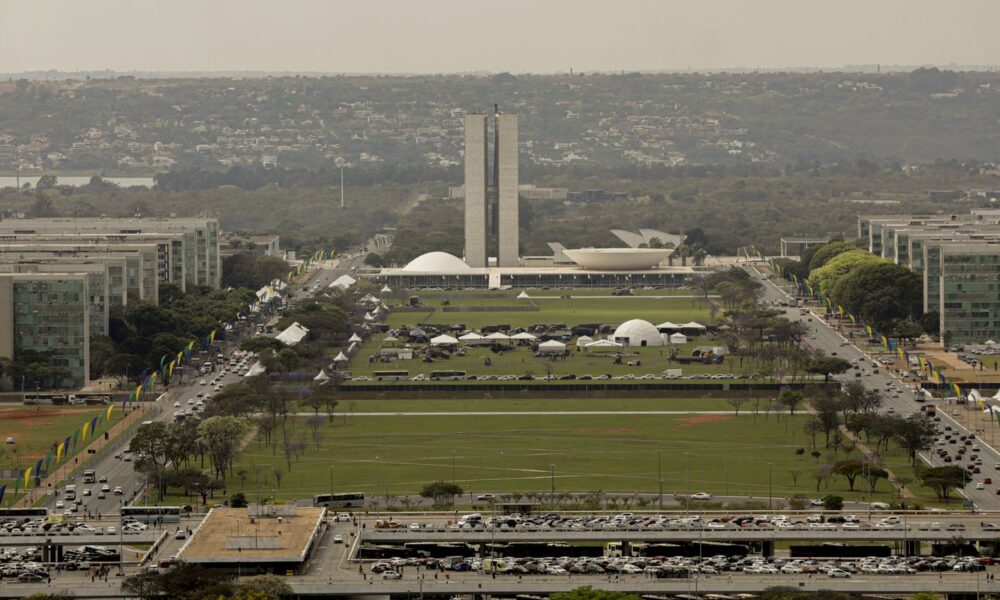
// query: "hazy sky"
[[497, 35]]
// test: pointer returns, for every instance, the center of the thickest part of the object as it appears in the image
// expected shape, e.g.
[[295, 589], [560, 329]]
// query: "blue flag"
[[3, 490]]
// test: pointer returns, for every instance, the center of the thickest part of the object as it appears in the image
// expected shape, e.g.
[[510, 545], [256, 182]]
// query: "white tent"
[[603, 346], [990, 343], [343, 282], [583, 340], [471, 338], [693, 326], [321, 376], [389, 340], [523, 296], [354, 338], [678, 338], [386, 289], [667, 325], [293, 335], [256, 369], [498, 335], [552, 347], [369, 317], [524, 335], [444, 340], [340, 358], [974, 396]]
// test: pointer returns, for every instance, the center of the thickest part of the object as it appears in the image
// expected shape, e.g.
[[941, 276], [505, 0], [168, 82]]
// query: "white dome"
[[617, 259], [637, 333], [436, 262]]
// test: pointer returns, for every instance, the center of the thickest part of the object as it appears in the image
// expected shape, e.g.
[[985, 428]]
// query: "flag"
[[59, 451], [48, 459], [86, 428], [93, 425], [76, 436], [66, 445], [211, 337], [868, 328], [27, 477], [997, 413], [885, 342], [163, 359], [38, 468], [923, 364], [172, 363], [958, 390], [3, 489], [853, 320], [901, 353]]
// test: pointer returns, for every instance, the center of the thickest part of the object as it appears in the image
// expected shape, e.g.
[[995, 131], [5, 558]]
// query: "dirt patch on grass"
[[696, 420], [599, 431]]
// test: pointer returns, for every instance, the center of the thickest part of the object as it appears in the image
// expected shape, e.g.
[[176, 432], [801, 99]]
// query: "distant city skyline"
[[444, 36]]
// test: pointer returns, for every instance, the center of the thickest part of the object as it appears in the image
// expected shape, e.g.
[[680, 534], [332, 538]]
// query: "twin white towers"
[[482, 195]]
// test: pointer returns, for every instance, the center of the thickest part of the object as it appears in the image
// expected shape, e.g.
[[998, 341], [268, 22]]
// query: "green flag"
[[76, 436]]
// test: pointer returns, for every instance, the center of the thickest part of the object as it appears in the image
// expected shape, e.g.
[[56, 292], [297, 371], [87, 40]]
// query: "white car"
[[202, 382], [701, 496], [177, 404], [118, 491], [338, 539]]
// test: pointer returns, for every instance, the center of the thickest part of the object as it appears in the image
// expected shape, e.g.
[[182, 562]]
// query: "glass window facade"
[[970, 296], [51, 317]]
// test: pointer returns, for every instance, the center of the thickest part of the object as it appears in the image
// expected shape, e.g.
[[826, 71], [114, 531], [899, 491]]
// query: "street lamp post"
[[770, 493], [659, 475], [378, 469], [552, 471], [687, 477], [331, 482]]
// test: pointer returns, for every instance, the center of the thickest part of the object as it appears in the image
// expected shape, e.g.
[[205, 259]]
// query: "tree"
[[238, 500], [151, 446], [942, 480], [832, 502], [850, 470], [589, 593], [441, 492], [267, 587], [221, 437], [915, 433], [791, 399], [182, 581], [827, 365]]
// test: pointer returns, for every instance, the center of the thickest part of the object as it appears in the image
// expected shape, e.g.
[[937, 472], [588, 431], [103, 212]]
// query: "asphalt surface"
[[823, 337]]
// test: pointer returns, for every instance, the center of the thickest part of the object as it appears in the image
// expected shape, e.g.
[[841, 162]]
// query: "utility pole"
[[341, 188], [659, 474]]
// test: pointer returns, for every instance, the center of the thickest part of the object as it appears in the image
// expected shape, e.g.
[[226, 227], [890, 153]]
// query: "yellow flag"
[[107, 417], [27, 477], [59, 451], [86, 428]]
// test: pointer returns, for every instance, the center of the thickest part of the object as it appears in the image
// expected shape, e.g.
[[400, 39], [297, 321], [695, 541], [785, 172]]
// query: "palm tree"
[[683, 251]]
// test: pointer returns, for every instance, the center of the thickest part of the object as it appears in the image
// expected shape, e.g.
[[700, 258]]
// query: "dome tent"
[[678, 338], [637, 332], [583, 340], [552, 347]]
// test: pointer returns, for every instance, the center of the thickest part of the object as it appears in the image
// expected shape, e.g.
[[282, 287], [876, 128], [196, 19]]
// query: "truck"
[[70, 493], [89, 476]]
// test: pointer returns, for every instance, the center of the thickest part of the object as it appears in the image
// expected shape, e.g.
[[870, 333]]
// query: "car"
[[102, 496], [343, 518], [338, 539], [980, 486], [180, 534], [839, 574], [202, 382], [816, 502], [105, 488], [118, 491], [484, 497], [177, 404], [87, 492], [60, 504], [391, 575], [33, 577], [701, 496]]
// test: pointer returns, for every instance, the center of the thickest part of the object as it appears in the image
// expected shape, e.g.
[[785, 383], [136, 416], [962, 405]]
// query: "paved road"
[[825, 338]]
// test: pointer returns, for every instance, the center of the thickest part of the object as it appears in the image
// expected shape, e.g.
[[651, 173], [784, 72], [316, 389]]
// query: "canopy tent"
[[583, 340], [668, 325], [256, 369], [603, 346], [341, 357], [523, 296], [343, 282], [525, 336], [294, 334], [386, 289], [444, 340], [693, 326], [498, 335], [678, 338], [354, 338], [470, 337], [321, 376], [990, 343], [552, 347], [369, 317], [389, 339]]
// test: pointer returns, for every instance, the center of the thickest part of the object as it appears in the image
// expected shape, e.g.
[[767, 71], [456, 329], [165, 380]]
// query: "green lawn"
[[569, 311], [501, 454], [520, 361], [35, 429], [530, 404]]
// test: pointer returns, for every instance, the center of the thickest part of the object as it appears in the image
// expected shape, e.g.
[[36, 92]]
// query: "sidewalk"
[[60, 473]]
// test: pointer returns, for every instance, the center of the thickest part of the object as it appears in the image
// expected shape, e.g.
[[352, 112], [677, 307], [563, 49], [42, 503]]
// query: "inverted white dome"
[[436, 262], [637, 332], [618, 259]]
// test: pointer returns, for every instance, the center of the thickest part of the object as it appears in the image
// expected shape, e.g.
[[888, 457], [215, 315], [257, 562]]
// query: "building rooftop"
[[232, 535]]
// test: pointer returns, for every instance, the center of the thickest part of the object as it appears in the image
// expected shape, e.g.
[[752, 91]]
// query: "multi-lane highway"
[[823, 337]]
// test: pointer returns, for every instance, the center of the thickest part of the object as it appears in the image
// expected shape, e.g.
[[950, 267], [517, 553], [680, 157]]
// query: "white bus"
[[348, 500]]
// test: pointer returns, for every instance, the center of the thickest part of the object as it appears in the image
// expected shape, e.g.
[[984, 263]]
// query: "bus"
[[69, 494], [150, 514], [23, 513], [447, 375], [89, 476], [390, 375], [348, 500]]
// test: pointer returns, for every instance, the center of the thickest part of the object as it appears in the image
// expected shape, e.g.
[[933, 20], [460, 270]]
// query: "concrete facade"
[[476, 174], [507, 190]]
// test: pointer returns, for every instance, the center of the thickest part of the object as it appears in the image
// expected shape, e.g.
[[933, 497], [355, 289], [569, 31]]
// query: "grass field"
[[349, 407], [35, 429], [570, 311], [721, 454]]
